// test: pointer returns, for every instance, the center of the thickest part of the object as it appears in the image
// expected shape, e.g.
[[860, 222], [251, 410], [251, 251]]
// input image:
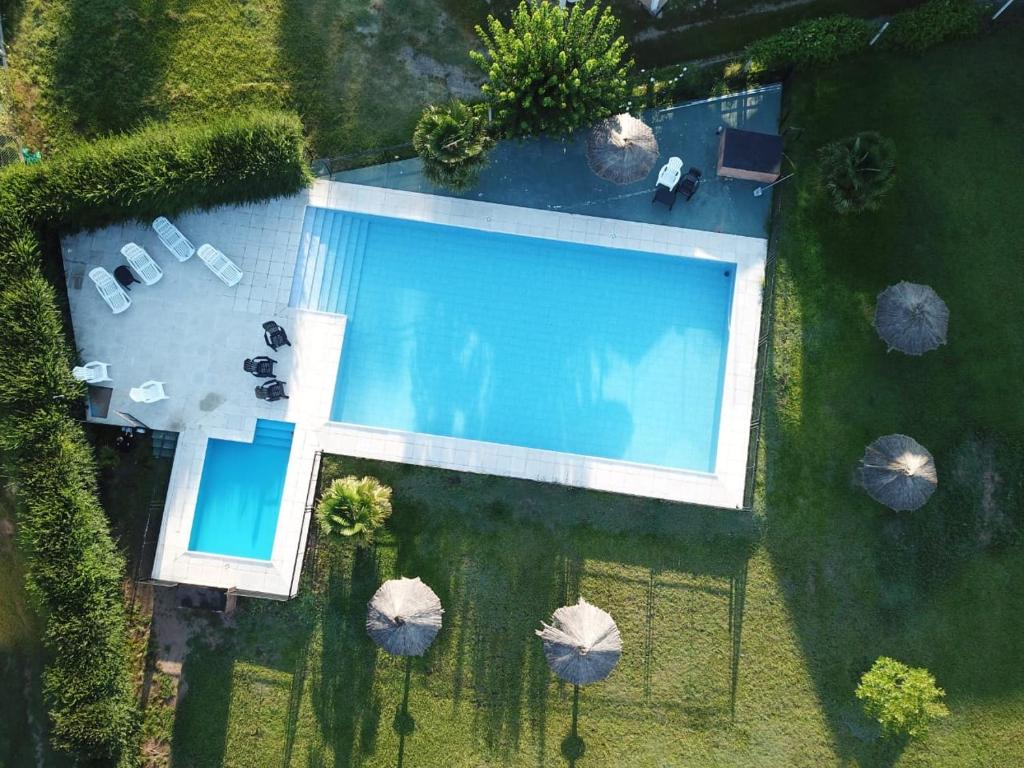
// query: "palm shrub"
[[858, 171], [354, 507], [453, 142], [551, 70], [904, 700]]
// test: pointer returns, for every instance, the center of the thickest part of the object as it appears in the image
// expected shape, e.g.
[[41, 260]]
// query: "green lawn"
[[743, 636]]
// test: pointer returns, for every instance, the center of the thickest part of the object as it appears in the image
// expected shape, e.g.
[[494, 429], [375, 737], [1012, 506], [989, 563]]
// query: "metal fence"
[[305, 550], [10, 146], [326, 167]]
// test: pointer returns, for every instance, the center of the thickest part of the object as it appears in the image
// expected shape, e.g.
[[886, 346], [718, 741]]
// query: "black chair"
[[124, 276], [275, 336], [271, 391], [688, 186], [663, 194], [261, 367]]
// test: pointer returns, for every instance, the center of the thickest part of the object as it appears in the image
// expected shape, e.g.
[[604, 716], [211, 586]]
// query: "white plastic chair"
[[171, 237], [220, 265], [110, 290], [92, 373], [148, 392], [671, 173], [140, 261]]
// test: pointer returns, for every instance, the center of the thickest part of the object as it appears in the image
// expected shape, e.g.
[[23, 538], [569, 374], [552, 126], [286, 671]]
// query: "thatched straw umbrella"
[[911, 318], [404, 617], [582, 643], [898, 472], [622, 149]]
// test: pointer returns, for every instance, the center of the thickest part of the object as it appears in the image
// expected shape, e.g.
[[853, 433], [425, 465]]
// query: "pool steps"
[[273, 434], [330, 261]]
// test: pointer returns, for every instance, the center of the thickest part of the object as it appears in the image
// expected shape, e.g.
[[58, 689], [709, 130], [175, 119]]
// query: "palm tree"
[[858, 171], [452, 141], [354, 507]]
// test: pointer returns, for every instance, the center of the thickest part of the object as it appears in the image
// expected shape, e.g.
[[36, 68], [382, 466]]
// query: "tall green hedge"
[[810, 43], [931, 23], [75, 572]]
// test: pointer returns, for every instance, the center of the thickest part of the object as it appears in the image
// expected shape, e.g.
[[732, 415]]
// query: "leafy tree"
[[354, 507], [553, 71], [453, 142], [858, 171], [904, 700]]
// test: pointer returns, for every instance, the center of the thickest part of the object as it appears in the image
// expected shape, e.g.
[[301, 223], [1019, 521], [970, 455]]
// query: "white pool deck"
[[192, 332]]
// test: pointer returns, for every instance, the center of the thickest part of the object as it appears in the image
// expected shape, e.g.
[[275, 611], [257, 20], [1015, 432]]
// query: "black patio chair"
[[688, 186], [271, 391], [275, 336], [124, 276], [663, 194], [261, 367]]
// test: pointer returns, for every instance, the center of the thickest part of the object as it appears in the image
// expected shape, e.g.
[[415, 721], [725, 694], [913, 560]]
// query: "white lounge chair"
[[147, 269], [110, 290], [148, 392], [171, 237], [92, 373], [670, 173], [220, 265]]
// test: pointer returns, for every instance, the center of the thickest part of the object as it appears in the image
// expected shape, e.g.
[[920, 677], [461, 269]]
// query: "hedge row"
[[75, 572], [932, 23]]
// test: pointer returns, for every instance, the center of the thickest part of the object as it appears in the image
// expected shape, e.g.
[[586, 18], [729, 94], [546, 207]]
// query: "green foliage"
[[933, 22], [811, 43], [904, 700], [858, 171], [553, 71], [452, 141], [354, 507], [161, 170]]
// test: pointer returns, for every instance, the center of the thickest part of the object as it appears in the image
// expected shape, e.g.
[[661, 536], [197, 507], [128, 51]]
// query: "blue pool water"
[[521, 341], [240, 493]]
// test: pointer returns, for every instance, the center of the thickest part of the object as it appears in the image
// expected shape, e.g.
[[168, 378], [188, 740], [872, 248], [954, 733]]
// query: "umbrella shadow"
[[573, 745], [404, 723]]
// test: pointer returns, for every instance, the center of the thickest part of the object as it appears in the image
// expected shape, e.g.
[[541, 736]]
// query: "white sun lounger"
[[140, 261], [670, 173], [176, 242], [220, 265], [92, 373], [111, 292]]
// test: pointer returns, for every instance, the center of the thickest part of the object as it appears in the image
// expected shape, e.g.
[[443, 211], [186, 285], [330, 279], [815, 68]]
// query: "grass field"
[[357, 72], [744, 637]]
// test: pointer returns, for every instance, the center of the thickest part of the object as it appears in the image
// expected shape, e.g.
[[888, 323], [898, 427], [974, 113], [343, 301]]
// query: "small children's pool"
[[240, 493]]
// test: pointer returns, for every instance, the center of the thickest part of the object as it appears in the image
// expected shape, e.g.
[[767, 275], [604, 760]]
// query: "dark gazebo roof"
[[750, 155]]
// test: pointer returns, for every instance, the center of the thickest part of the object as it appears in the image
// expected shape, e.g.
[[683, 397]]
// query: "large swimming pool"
[[240, 493], [521, 341]]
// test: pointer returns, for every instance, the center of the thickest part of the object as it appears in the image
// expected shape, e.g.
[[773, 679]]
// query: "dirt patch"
[[455, 79]]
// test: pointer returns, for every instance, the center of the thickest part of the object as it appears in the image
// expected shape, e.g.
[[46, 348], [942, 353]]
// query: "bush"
[[354, 507], [904, 700], [553, 71], [858, 171], [811, 43], [75, 572], [453, 143], [159, 170], [932, 23]]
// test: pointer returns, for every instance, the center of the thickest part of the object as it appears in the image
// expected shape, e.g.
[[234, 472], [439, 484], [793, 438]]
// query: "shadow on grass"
[[201, 723], [932, 588]]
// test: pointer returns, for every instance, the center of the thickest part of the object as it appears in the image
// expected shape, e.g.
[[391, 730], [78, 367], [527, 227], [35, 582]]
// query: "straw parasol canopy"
[[404, 616], [582, 643], [899, 472], [911, 318], [622, 149]]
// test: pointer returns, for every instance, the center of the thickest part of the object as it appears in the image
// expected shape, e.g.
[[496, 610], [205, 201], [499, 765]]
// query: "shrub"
[[159, 170], [452, 141], [354, 507], [858, 171], [931, 23], [810, 43], [553, 71], [904, 700]]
